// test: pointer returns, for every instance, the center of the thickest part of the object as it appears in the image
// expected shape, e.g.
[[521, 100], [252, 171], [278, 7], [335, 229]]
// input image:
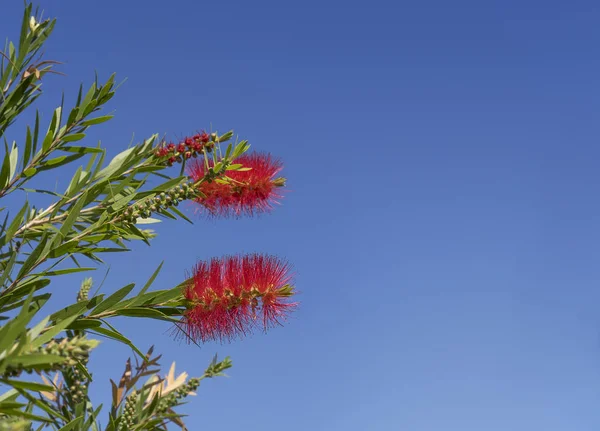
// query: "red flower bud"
[[227, 295], [204, 137]]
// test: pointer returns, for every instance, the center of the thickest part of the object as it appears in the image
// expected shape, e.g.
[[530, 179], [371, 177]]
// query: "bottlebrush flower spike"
[[228, 297], [247, 192]]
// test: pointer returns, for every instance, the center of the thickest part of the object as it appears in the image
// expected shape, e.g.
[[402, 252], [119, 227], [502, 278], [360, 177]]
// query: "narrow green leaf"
[[7, 270], [35, 359], [36, 132], [86, 101], [26, 415], [5, 172], [30, 386], [14, 158], [67, 271], [58, 161], [59, 327], [74, 424], [150, 313], [113, 299], [43, 406], [148, 220], [116, 335], [36, 255], [74, 137], [8, 395], [226, 136], [14, 224], [37, 329], [83, 324], [97, 120], [51, 133], [28, 147], [180, 214], [10, 332], [29, 172], [151, 279], [115, 163], [84, 150], [73, 214], [24, 26], [69, 311]]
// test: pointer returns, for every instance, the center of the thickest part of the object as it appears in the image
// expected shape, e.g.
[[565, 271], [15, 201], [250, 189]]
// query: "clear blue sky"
[[443, 220]]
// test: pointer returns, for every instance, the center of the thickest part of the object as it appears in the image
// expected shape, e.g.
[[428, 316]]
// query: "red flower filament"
[[230, 296], [244, 192]]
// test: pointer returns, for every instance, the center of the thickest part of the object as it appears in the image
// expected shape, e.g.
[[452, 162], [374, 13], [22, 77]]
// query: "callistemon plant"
[[229, 296], [44, 373]]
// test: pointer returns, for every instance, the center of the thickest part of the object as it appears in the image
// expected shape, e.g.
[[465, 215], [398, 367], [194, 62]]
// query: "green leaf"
[[37, 254], [54, 124], [14, 224], [58, 161], [151, 313], [151, 279], [226, 136], [163, 296], [80, 150], [29, 172], [97, 120], [28, 147], [13, 300], [8, 395], [53, 331], [116, 335], [36, 359], [86, 101], [30, 386], [67, 271], [36, 131], [83, 324], [70, 311], [14, 158], [37, 329], [148, 220], [73, 137], [8, 269], [169, 184], [73, 214], [180, 214], [64, 248], [26, 415], [74, 424], [5, 172], [115, 163], [113, 299], [42, 405], [11, 405]]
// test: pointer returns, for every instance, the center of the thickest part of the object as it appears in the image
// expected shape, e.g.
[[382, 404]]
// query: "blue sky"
[[443, 215]]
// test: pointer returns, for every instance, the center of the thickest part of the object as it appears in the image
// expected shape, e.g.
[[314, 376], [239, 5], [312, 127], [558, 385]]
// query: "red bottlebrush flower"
[[230, 296], [181, 148], [247, 192]]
